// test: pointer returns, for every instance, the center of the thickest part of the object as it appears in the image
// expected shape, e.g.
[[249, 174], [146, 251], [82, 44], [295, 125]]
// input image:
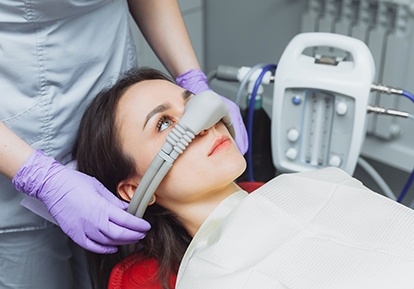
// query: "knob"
[[293, 135], [291, 154], [335, 161], [341, 108]]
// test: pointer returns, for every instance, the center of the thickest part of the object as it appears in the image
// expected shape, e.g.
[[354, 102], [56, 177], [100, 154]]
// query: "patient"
[[320, 229]]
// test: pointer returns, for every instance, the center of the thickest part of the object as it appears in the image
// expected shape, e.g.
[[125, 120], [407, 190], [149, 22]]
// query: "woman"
[[229, 239], [134, 121]]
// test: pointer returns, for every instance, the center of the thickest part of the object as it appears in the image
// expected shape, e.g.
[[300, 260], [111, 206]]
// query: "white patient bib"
[[314, 230]]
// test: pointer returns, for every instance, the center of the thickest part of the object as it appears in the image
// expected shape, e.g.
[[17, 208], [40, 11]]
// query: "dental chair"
[[134, 273]]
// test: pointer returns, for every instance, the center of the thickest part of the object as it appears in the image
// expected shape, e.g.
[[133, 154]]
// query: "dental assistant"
[[54, 57]]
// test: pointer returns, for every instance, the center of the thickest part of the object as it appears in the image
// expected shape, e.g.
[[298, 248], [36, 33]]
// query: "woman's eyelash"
[[160, 121], [164, 122]]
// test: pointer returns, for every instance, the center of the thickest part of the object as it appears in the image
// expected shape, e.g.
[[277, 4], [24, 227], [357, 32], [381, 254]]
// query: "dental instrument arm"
[[201, 112]]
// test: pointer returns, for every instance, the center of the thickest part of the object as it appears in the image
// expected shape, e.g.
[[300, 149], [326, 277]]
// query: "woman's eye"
[[164, 123]]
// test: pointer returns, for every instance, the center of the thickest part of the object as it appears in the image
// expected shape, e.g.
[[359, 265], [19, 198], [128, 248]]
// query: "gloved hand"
[[85, 210], [196, 81]]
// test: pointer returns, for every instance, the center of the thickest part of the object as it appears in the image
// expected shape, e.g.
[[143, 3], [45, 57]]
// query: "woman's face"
[[146, 114]]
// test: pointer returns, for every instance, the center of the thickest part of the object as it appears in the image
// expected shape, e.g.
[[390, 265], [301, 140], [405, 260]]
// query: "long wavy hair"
[[99, 154]]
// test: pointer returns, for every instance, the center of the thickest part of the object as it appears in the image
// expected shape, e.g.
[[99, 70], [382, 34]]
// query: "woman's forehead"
[[150, 91], [143, 97]]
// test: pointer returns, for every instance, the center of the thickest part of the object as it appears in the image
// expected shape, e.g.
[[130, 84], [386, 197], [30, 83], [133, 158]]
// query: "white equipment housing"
[[320, 103]]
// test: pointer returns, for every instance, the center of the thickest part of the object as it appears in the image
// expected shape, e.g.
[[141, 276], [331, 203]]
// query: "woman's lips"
[[219, 144]]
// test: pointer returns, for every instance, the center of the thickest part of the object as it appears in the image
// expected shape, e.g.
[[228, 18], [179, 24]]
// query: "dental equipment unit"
[[201, 112], [320, 103], [323, 92]]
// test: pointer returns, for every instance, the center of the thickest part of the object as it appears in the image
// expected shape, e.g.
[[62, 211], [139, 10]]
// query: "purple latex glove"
[[196, 81], [84, 209]]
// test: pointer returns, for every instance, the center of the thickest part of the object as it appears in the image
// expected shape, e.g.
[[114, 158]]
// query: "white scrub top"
[[55, 55]]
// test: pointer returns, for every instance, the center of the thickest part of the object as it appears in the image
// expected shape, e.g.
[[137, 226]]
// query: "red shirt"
[[135, 273]]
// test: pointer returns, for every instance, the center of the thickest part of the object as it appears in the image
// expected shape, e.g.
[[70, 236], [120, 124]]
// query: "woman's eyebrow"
[[165, 106], [158, 109]]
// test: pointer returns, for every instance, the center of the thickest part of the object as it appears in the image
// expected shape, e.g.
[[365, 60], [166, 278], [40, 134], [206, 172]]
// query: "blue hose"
[[406, 187], [408, 95], [411, 177], [250, 119]]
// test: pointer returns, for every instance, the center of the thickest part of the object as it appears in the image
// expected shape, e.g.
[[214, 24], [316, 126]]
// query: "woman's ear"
[[152, 200], [126, 189]]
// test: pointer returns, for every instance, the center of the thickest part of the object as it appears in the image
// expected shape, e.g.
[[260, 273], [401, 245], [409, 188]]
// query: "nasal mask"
[[201, 112]]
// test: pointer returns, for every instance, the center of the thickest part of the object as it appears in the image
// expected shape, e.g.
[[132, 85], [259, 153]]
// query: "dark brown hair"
[[99, 154]]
